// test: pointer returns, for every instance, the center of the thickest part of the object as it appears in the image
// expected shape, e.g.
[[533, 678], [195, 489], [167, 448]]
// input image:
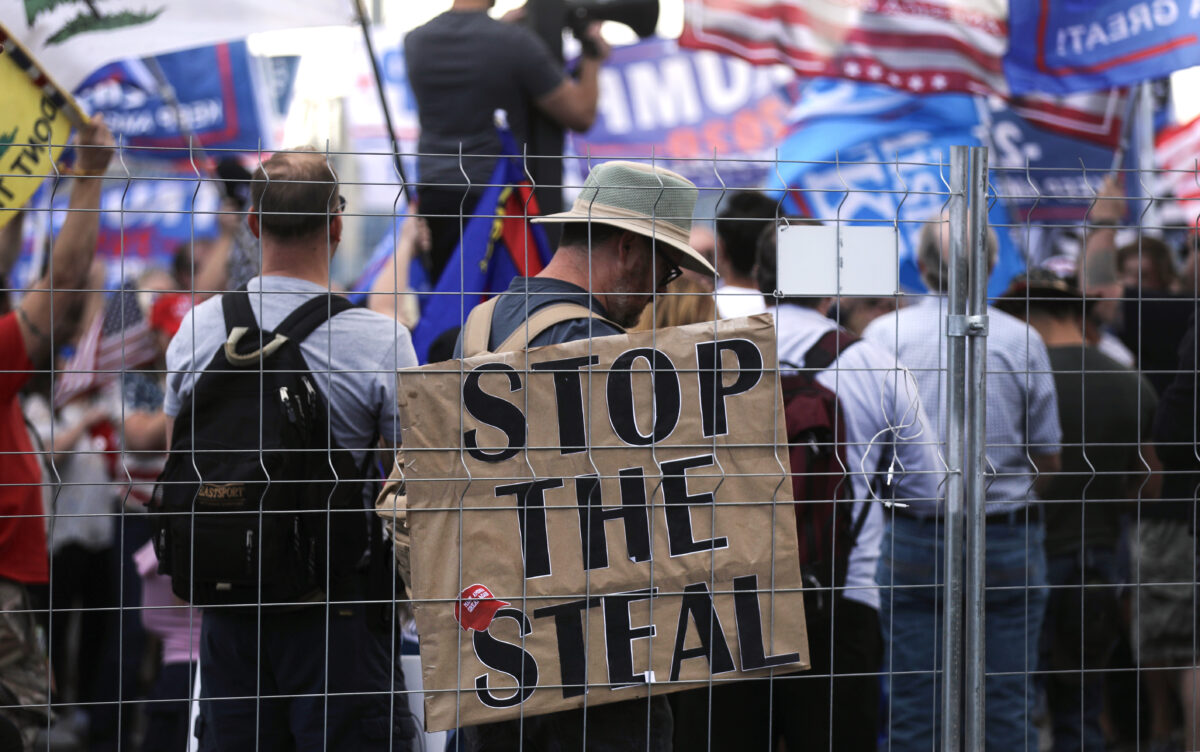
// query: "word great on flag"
[[1062, 46], [636, 536]]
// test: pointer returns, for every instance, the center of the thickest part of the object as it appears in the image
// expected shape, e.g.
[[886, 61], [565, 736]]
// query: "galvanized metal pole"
[[952, 610], [973, 480]]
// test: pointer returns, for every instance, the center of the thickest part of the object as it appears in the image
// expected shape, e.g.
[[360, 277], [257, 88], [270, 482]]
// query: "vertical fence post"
[[952, 612], [973, 481]]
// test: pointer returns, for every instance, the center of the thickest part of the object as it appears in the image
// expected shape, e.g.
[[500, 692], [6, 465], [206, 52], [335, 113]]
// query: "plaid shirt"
[[1022, 405]]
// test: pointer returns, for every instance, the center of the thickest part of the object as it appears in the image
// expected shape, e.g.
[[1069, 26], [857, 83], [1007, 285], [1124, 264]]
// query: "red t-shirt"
[[22, 528]]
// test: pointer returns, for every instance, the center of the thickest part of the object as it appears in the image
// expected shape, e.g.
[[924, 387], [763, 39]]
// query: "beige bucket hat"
[[648, 200]]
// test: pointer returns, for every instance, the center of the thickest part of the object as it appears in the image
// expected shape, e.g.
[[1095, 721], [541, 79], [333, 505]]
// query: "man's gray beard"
[[626, 301]]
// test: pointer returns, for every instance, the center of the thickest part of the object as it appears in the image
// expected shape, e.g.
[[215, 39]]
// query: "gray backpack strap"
[[477, 329], [544, 318]]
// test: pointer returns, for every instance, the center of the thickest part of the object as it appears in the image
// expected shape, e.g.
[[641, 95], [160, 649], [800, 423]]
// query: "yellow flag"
[[33, 130]]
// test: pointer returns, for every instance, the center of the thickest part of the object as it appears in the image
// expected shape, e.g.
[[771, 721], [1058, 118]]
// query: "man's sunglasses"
[[673, 272]]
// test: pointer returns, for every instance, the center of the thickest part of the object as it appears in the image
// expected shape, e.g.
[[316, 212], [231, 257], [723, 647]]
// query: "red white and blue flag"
[[920, 46], [119, 338]]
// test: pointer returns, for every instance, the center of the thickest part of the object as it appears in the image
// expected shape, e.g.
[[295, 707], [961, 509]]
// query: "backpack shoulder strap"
[[544, 318], [236, 308], [477, 329], [312, 313], [828, 348]]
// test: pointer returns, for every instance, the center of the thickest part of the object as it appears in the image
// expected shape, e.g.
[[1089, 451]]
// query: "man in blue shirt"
[[1022, 453]]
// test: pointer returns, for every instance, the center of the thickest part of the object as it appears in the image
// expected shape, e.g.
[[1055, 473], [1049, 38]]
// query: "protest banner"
[[587, 530], [658, 101], [1061, 46]]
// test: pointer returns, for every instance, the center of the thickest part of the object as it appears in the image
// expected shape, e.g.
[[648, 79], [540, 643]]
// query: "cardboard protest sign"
[[585, 529]]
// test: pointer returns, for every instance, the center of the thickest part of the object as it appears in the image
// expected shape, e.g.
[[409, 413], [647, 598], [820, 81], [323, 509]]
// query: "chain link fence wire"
[[1016, 453]]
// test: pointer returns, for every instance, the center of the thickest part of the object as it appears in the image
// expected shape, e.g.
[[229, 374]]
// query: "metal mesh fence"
[[969, 417]]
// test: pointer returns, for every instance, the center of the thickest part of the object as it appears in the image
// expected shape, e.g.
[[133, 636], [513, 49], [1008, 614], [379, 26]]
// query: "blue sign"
[[216, 101], [683, 106], [1063, 46], [892, 151]]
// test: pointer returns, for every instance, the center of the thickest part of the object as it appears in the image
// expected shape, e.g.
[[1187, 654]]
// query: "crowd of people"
[[1091, 462]]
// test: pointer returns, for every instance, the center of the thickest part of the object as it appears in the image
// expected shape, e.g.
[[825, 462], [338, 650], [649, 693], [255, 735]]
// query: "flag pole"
[[1126, 123], [383, 103]]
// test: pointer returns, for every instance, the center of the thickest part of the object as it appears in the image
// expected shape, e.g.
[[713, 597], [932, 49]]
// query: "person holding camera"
[[464, 65]]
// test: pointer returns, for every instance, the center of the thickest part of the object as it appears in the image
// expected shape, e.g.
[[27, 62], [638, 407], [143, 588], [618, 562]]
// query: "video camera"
[[639, 15]]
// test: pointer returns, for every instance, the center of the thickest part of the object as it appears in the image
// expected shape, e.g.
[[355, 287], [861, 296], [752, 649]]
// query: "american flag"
[[918, 46], [118, 338], [921, 46]]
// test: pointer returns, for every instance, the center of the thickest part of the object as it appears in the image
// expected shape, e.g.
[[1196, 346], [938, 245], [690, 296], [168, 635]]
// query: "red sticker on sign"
[[476, 607]]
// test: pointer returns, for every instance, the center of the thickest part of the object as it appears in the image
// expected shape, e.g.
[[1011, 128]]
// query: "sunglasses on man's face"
[[341, 204], [671, 273]]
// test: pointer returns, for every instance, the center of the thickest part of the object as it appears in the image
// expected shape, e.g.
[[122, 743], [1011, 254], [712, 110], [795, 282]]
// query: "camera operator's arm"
[[573, 102], [71, 257]]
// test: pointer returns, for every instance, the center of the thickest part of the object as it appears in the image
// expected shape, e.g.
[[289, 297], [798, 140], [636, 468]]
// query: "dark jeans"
[[618, 727], [107, 587], [169, 707], [313, 678], [910, 573], [1081, 632], [833, 705]]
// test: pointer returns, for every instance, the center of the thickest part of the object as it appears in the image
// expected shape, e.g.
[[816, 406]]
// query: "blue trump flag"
[[866, 154], [498, 243], [218, 101], [1063, 46]]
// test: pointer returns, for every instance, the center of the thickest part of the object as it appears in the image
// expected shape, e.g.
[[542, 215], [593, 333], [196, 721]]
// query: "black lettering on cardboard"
[[4, 191], [679, 506], [697, 607], [714, 390], [495, 412], [568, 396], [593, 515], [572, 653], [622, 413], [506, 658], [619, 637], [49, 109], [749, 627], [531, 514]]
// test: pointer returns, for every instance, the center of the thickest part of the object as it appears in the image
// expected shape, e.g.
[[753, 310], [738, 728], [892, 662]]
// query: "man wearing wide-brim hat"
[[624, 239]]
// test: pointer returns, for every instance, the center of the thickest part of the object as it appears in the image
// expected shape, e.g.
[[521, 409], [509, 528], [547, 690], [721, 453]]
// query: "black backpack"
[[826, 529], [245, 521]]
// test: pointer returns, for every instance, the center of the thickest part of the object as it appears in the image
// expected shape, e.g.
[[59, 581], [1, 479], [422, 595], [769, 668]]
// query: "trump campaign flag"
[[498, 243], [658, 101], [218, 101], [1062, 46], [916, 45], [893, 149]]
